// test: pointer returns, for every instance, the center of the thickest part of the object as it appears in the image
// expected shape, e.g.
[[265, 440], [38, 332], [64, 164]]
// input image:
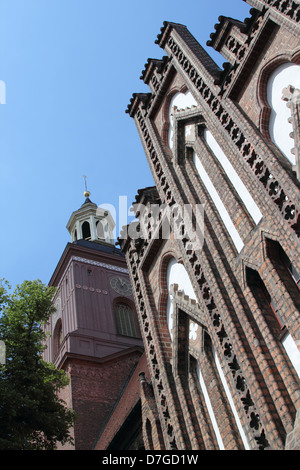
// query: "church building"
[[94, 335], [187, 335], [218, 296]]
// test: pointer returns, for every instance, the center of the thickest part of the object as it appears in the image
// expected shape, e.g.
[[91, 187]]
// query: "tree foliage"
[[32, 417]]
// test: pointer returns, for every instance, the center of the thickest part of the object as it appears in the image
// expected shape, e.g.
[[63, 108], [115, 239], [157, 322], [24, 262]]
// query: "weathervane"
[[86, 192]]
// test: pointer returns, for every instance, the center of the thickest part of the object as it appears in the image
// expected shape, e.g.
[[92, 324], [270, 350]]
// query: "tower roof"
[[87, 200]]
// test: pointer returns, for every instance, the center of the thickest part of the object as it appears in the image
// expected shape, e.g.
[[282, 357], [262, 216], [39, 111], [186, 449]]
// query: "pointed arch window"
[[283, 88], [195, 358]]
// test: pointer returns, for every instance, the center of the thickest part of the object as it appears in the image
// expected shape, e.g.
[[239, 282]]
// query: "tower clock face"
[[120, 285]]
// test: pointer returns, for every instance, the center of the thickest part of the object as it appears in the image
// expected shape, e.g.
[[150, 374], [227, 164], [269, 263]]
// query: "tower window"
[[100, 231], [124, 320], [57, 337], [86, 231]]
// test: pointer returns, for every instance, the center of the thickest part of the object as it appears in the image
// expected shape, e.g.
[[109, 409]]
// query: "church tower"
[[94, 333]]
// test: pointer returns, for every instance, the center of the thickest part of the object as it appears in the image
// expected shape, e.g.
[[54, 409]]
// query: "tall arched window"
[[125, 320], [100, 229], [86, 231], [206, 362], [180, 101]]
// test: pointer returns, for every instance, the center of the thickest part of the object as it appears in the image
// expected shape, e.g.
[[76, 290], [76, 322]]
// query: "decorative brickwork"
[[293, 439], [225, 376], [292, 96], [289, 8]]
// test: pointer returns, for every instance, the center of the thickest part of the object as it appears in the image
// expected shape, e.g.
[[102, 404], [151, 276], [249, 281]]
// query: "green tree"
[[32, 417]]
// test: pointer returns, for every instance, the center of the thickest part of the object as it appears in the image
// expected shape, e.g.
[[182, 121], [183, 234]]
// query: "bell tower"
[[94, 334], [90, 222]]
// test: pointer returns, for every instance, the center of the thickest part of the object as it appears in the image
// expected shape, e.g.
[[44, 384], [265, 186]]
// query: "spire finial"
[[86, 192]]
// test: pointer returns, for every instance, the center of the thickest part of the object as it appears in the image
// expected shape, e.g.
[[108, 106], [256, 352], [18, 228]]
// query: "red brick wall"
[[263, 384], [293, 439], [93, 391], [125, 405]]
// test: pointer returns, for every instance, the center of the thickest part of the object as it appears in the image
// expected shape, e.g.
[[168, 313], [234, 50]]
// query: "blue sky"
[[70, 68]]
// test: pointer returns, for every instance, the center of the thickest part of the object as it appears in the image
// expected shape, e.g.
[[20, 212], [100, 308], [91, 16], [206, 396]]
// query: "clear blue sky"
[[70, 68]]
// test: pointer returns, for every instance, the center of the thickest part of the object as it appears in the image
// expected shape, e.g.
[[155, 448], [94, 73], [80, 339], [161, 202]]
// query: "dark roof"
[[99, 247], [88, 201]]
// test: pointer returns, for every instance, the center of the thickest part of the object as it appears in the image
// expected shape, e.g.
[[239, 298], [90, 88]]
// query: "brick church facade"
[[208, 356], [218, 299]]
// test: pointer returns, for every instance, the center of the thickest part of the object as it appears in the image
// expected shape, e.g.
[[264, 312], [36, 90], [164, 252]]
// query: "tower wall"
[[94, 333]]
